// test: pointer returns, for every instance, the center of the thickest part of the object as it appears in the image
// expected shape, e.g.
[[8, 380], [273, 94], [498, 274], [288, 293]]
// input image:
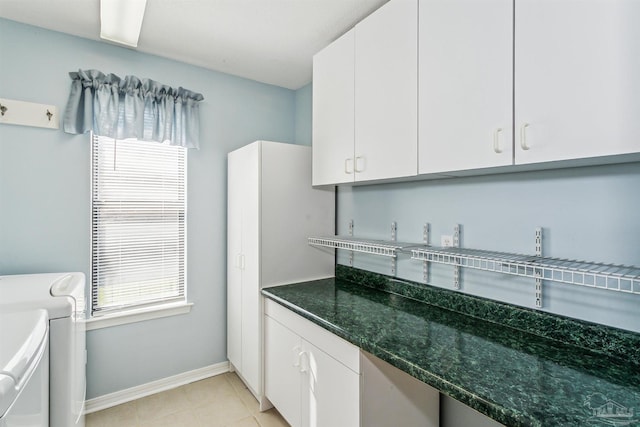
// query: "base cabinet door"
[[330, 391], [282, 377]]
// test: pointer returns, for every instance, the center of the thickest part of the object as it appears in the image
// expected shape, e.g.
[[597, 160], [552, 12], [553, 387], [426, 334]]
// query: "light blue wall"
[[303, 115], [590, 213], [44, 193]]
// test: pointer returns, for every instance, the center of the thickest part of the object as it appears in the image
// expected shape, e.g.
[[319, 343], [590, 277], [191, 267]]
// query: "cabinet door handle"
[[346, 166], [496, 141], [523, 136], [356, 164], [304, 361], [296, 351], [241, 261]]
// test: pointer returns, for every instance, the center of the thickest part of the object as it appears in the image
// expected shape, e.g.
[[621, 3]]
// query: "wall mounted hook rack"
[[22, 113]]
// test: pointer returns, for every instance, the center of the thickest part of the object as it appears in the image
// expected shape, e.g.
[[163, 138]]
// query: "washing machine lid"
[[59, 293], [23, 337]]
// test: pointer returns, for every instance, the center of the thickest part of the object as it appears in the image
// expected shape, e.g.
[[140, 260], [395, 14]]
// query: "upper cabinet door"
[[386, 92], [333, 112], [466, 84], [577, 85]]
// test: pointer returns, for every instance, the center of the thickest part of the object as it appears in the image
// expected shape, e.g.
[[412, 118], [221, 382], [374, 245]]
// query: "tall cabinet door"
[[234, 259], [466, 84], [251, 354], [333, 112], [386, 79], [243, 292], [577, 91]]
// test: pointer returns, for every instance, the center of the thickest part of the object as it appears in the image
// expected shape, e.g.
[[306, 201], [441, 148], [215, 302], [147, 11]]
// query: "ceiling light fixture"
[[121, 21]]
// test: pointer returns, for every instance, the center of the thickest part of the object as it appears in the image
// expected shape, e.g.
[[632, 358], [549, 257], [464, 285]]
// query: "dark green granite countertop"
[[514, 376]]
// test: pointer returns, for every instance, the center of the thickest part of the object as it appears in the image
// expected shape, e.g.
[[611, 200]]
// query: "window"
[[138, 246]]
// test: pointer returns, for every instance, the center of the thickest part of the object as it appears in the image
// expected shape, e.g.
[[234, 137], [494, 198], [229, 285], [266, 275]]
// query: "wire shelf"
[[375, 247], [595, 275]]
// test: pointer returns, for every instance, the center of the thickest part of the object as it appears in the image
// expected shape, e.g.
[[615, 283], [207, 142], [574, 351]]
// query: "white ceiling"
[[271, 41]]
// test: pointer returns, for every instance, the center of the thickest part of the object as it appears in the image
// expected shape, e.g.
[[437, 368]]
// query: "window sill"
[[138, 315]]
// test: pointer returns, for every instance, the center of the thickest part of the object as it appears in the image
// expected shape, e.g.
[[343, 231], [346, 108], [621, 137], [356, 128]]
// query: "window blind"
[[138, 224]]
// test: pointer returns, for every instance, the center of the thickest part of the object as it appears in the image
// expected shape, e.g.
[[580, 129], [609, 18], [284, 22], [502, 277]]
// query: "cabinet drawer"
[[341, 350]]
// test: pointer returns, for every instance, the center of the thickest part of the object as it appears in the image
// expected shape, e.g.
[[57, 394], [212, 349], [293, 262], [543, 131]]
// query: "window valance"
[[132, 108]]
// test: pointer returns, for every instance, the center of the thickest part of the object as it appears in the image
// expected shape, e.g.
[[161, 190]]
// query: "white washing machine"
[[62, 295], [24, 369]]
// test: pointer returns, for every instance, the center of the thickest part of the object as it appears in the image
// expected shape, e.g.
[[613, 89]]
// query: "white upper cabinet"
[[465, 84], [444, 87], [333, 112], [577, 85], [386, 92], [365, 94]]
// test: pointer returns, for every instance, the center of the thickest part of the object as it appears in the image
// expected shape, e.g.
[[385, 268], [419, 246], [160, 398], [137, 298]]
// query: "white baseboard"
[[123, 396]]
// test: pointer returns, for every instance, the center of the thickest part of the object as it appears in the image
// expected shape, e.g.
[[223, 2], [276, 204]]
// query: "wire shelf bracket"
[[425, 239], [394, 260], [456, 269], [537, 271], [351, 235]]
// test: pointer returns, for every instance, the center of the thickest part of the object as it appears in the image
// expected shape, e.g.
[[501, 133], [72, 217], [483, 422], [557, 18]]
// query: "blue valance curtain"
[[132, 108]]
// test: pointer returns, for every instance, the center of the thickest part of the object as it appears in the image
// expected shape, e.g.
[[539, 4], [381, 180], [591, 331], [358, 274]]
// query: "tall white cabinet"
[[272, 210]]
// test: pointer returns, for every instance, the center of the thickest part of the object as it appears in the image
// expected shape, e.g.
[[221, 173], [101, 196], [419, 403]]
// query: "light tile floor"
[[220, 401]]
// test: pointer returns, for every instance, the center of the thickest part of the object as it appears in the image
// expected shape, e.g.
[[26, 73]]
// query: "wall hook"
[[28, 113]]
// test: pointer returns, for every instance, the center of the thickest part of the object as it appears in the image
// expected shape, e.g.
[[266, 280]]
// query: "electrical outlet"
[[446, 241]]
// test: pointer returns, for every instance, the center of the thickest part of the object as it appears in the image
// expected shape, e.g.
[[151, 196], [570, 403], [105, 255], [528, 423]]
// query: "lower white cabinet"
[[311, 376], [283, 376]]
